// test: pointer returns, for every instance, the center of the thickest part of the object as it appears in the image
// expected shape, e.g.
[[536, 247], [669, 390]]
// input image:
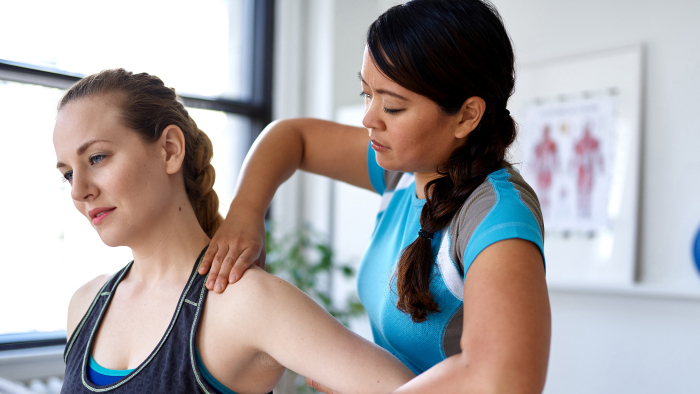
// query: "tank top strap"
[[171, 367], [195, 292], [98, 303]]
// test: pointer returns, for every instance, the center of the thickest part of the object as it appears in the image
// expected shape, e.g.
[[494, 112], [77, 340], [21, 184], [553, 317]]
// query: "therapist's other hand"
[[318, 387], [237, 245]]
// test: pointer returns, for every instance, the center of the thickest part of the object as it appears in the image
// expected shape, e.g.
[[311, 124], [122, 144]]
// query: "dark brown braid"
[[148, 107], [447, 51]]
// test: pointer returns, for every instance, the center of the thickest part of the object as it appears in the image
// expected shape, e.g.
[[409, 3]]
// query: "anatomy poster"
[[568, 158], [578, 146]]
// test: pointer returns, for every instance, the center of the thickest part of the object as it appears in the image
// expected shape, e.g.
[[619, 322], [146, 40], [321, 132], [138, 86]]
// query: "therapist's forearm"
[[274, 157]]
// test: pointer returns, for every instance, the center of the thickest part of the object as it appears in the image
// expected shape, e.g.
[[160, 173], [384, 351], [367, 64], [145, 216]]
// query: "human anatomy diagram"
[[545, 163], [587, 160], [567, 157]]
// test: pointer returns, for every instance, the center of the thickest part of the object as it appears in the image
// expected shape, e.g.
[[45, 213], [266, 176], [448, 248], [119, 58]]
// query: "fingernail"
[[234, 279], [219, 287], [210, 284]]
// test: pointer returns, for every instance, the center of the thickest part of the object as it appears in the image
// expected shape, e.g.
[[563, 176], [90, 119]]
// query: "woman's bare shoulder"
[[81, 300], [234, 324], [256, 292], [258, 300]]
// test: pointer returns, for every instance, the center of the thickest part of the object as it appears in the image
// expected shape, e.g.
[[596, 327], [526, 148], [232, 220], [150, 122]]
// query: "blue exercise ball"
[[696, 250]]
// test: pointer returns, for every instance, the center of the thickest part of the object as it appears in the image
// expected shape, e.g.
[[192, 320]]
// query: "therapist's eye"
[[392, 111]]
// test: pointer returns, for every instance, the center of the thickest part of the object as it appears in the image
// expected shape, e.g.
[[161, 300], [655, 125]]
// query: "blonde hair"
[[148, 107]]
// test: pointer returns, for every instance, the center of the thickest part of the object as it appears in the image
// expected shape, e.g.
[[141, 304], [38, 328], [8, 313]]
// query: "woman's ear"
[[471, 113], [172, 143]]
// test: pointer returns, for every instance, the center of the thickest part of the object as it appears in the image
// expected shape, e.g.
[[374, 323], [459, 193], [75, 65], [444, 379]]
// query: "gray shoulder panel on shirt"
[[465, 222], [527, 195], [391, 179], [478, 205]]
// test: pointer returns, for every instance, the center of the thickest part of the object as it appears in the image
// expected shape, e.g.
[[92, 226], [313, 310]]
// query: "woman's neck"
[[170, 246]]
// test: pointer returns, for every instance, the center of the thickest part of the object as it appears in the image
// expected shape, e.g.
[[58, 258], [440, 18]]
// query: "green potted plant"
[[304, 259]]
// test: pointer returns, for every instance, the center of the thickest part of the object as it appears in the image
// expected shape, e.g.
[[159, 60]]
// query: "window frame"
[[257, 107]]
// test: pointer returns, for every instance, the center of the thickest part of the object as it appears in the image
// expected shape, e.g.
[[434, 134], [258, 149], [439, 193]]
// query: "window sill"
[[26, 364]]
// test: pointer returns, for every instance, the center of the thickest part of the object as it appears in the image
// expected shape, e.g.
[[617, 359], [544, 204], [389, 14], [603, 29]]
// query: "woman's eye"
[[67, 176], [364, 95], [392, 111], [96, 159]]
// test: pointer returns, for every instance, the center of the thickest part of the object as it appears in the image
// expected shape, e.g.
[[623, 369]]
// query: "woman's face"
[[118, 182], [409, 132]]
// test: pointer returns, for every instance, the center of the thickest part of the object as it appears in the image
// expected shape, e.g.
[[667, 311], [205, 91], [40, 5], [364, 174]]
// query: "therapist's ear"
[[471, 113]]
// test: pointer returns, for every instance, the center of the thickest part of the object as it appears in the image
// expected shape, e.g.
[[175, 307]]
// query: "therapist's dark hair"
[[447, 51], [148, 107]]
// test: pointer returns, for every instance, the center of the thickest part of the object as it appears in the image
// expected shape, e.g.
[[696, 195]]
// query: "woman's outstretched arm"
[[265, 316], [313, 145]]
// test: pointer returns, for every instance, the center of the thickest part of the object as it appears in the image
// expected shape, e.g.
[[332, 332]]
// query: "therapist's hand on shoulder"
[[237, 245]]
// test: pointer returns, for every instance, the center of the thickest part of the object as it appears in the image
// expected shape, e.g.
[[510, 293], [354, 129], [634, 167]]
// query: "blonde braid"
[[203, 198]]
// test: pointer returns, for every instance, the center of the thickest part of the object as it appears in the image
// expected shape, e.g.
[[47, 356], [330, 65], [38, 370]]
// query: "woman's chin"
[[112, 244], [111, 240]]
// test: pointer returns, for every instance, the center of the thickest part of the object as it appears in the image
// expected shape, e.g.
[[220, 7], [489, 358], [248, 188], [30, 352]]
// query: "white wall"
[[670, 214], [640, 340]]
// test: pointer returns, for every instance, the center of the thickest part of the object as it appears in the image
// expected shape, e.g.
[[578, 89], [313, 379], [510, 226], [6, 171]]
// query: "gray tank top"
[[170, 368]]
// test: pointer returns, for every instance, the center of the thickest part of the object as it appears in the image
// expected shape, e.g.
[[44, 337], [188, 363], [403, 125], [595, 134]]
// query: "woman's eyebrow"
[[383, 91], [81, 150]]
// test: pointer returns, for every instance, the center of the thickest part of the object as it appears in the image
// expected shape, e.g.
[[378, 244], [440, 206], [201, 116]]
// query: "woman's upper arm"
[[303, 337], [81, 301], [334, 150], [507, 322]]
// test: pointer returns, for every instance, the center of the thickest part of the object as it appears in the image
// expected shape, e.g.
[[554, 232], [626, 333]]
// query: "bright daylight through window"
[[210, 51]]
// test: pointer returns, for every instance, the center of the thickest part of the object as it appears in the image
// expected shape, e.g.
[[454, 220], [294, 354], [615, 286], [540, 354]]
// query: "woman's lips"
[[378, 147], [99, 214]]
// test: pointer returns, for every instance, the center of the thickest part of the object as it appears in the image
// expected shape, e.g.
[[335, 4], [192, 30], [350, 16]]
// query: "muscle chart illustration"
[[545, 164], [587, 160]]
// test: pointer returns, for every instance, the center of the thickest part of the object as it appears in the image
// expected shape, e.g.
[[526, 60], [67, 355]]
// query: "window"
[[215, 53]]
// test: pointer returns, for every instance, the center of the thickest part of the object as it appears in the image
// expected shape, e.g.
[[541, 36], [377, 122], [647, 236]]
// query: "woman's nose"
[[82, 188]]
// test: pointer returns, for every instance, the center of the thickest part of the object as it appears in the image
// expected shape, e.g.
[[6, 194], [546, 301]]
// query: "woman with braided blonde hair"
[[140, 172]]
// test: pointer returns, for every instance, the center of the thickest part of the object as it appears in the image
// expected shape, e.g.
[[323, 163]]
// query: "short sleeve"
[[376, 173], [503, 207]]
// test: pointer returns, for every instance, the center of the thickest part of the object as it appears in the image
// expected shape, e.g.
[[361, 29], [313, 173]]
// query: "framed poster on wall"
[[578, 146]]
